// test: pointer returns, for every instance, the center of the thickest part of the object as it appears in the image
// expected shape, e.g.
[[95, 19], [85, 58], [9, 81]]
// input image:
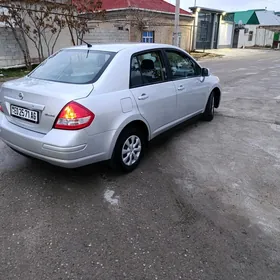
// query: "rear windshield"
[[73, 66]]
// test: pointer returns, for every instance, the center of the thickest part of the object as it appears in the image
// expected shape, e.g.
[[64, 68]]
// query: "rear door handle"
[[143, 96], [181, 87]]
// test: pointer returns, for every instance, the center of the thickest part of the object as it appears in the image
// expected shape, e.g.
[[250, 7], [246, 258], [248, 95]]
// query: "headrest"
[[147, 64]]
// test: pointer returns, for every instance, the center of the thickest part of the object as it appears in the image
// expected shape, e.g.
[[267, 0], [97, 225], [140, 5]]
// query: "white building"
[[212, 30], [253, 28]]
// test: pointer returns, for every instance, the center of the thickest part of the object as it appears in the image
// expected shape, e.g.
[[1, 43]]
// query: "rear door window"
[[147, 68], [182, 66]]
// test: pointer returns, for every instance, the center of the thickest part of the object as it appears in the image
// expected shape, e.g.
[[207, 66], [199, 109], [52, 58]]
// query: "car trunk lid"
[[47, 98]]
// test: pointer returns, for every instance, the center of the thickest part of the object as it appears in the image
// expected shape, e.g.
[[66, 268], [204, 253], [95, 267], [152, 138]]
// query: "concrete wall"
[[64, 40], [261, 37], [264, 37], [243, 40], [225, 34], [107, 32], [164, 33], [10, 53]]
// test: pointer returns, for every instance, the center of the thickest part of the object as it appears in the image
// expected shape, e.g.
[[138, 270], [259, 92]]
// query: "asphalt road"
[[204, 204]]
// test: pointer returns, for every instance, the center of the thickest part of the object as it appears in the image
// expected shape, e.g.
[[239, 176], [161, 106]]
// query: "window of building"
[[246, 30], [250, 37], [148, 36], [182, 66], [147, 69]]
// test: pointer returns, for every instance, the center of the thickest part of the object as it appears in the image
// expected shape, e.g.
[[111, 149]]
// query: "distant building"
[[254, 28], [212, 29]]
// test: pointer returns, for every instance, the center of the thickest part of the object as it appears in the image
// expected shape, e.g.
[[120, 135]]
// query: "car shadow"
[[102, 171], [168, 136]]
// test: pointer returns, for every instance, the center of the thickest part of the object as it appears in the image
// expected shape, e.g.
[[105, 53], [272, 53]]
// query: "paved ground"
[[237, 53], [204, 204]]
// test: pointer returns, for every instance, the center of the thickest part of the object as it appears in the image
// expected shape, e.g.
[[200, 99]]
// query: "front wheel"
[[129, 150], [209, 112]]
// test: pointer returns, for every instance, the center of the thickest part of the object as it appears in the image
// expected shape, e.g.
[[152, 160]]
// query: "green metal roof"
[[247, 17]]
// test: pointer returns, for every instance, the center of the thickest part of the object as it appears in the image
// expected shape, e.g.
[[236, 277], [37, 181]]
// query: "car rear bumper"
[[69, 149]]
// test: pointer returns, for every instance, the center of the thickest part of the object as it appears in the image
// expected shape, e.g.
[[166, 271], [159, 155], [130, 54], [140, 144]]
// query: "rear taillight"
[[1, 107], [74, 116]]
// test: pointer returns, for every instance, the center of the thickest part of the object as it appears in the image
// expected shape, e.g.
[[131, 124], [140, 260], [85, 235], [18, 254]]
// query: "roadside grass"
[[198, 55], [13, 73]]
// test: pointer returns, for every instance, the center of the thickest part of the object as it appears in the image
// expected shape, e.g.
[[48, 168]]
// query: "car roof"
[[137, 47]]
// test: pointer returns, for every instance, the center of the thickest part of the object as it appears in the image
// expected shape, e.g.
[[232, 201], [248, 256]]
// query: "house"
[[212, 30], [270, 24], [254, 28], [140, 21]]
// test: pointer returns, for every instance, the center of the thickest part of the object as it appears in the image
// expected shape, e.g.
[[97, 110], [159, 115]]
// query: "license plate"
[[24, 114]]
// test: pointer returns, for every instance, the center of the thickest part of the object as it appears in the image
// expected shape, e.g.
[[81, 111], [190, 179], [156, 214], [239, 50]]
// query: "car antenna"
[[88, 44]]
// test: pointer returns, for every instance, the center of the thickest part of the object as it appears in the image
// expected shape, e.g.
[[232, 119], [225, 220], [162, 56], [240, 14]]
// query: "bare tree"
[[14, 19], [36, 20], [44, 25], [77, 15], [42, 21], [77, 25], [143, 20]]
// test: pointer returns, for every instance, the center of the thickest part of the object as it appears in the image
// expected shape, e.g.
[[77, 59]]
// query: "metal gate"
[[235, 38]]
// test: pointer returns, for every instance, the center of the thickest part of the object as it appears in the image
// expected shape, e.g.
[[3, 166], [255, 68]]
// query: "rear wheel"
[[209, 112], [129, 149]]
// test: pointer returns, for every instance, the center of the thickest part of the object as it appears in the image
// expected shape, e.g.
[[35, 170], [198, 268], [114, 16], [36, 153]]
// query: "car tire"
[[209, 112], [129, 149]]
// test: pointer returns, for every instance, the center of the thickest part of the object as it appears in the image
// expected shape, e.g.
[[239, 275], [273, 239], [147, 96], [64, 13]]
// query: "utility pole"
[[177, 27]]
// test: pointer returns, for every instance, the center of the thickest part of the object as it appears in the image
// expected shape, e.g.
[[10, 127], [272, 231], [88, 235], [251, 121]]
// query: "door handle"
[[181, 87], [143, 96]]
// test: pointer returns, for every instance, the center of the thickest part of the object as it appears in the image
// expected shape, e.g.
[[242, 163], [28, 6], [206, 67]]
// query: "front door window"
[[182, 66]]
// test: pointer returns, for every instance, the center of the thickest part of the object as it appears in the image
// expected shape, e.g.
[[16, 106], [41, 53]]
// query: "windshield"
[[73, 66]]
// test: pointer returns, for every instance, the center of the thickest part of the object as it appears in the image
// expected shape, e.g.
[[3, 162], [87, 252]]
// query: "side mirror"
[[205, 72]]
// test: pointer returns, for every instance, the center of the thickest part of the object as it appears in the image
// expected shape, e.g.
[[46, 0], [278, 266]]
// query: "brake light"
[[1, 107], [74, 116]]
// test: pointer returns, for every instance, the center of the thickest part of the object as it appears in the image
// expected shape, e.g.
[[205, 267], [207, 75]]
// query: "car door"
[[155, 96], [191, 87]]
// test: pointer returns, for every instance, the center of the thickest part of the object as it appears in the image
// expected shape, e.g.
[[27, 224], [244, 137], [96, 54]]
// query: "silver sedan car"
[[105, 102]]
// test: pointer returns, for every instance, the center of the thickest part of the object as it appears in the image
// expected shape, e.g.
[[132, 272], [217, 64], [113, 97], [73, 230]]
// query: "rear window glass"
[[73, 66]]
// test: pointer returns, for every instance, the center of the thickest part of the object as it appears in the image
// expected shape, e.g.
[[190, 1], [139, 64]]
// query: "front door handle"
[[143, 96], [181, 87]]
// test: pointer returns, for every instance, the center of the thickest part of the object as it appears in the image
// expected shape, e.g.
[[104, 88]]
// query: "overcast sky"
[[232, 5]]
